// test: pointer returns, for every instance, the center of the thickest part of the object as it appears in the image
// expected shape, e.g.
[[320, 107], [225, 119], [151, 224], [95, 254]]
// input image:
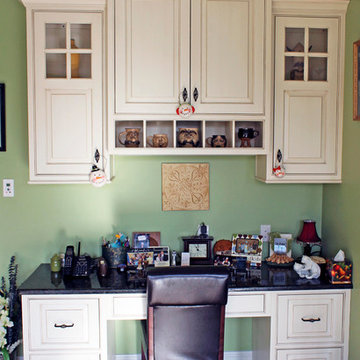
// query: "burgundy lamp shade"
[[308, 234]]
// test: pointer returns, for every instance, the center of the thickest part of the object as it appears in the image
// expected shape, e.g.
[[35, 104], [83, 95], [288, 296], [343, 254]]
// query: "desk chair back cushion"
[[186, 310]]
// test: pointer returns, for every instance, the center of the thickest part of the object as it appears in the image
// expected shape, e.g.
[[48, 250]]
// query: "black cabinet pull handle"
[[64, 326], [196, 94], [310, 320], [184, 94]]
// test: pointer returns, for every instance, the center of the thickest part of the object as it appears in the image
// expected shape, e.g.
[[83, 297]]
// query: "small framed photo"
[[249, 246], [154, 237], [140, 258], [141, 241], [185, 259], [161, 255]]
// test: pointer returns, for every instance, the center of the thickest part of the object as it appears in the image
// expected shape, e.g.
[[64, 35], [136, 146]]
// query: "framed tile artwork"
[[185, 186]]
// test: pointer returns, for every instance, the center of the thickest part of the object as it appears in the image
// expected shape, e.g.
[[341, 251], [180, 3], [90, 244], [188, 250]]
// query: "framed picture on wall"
[[356, 80], [2, 118]]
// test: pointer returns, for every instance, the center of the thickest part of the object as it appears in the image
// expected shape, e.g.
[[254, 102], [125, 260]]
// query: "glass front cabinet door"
[[306, 122], [67, 119]]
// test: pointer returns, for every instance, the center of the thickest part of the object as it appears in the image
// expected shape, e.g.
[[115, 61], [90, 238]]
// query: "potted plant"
[[10, 314]]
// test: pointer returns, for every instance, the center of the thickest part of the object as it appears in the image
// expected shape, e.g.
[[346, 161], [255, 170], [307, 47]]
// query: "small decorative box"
[[340, 272]]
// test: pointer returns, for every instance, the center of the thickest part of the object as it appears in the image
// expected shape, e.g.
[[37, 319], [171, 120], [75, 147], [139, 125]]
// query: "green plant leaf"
[[5, 354]]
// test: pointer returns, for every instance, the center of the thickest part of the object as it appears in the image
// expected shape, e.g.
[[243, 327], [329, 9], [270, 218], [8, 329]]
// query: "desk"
[[75, 320]]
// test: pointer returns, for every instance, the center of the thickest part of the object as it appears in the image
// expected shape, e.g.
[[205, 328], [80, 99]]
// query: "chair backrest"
[[186, 311]]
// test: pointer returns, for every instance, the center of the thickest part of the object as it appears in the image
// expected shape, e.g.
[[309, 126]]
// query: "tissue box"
[[340, 272]]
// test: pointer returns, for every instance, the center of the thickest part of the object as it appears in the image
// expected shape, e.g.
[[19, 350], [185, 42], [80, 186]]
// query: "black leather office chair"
[[186, 313]]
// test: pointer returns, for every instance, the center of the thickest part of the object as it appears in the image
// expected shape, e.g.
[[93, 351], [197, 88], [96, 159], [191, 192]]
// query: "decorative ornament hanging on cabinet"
[[97, 176], [185, 109], [279, 170]]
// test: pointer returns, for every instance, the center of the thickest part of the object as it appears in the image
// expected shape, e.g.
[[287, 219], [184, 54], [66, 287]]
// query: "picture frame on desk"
[[154, 238], [2, 118]]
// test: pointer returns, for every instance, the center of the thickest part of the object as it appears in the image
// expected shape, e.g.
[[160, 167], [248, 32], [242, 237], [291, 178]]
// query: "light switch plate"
[[265, 231], [8, 188]]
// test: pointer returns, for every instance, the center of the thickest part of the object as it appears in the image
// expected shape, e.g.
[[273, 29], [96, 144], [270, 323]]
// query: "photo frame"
[[2, 118], [140, 258], [356, 80], [154, 237], [161, 255], [249, 246]]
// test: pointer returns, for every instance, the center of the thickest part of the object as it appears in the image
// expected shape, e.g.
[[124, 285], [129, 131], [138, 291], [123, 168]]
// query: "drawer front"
[[313, 354], [130, 306], [64, 356], [64, 324], [310, 318], [239, 305]]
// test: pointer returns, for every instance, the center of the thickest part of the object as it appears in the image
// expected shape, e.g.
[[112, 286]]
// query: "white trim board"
[[228, 355]]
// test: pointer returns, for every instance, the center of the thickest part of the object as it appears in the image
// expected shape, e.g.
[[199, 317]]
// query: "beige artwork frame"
[[185, 186]]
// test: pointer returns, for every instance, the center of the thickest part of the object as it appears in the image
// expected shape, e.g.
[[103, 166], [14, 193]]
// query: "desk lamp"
[[309, 236]]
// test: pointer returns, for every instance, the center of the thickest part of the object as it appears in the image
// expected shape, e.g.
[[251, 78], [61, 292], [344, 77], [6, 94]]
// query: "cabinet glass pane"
[[318, 40], [56, 65], [81, 66], [294, 39], [317, 68], [294, 68], [55, 36], [80, 36]]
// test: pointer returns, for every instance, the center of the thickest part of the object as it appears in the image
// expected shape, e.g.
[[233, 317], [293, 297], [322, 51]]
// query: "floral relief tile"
[[185, 186]]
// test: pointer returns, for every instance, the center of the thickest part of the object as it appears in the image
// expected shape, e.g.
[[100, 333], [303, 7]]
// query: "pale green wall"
[[42, 219], [341, 203]]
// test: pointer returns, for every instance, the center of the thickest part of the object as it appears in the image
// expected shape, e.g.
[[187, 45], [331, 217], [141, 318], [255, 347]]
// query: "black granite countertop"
[[43, 281]]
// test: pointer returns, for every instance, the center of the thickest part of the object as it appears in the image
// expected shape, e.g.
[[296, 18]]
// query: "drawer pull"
[[64, 326], [310, 319]]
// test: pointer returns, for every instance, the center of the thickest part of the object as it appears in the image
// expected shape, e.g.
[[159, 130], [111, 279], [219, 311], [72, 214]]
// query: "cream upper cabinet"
[[152, 39], [65, 74], [308, 95], [210, 50], [227, 56]]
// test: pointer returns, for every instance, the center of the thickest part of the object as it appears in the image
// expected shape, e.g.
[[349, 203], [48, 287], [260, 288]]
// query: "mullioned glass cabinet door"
[[68, 86], [305, 118]]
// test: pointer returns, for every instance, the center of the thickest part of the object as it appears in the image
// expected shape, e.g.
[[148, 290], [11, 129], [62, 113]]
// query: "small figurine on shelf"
[[173, 258]]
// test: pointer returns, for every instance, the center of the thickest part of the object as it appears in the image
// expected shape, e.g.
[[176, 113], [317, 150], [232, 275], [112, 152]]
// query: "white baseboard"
[[228, 355]]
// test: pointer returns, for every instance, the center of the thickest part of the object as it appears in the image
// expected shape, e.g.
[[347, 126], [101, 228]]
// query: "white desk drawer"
[[63, 324], [241, 304], [130, 306], [310, 318], [306, 354], [64, 356]]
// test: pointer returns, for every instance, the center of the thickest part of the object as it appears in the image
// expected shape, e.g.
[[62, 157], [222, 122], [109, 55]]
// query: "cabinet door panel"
[[151, 54], [305, 120], [68, 110], [313, 354], [227, 53]]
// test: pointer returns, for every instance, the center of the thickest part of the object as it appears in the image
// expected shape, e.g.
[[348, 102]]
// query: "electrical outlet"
[[265, 231], [8, 188]]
